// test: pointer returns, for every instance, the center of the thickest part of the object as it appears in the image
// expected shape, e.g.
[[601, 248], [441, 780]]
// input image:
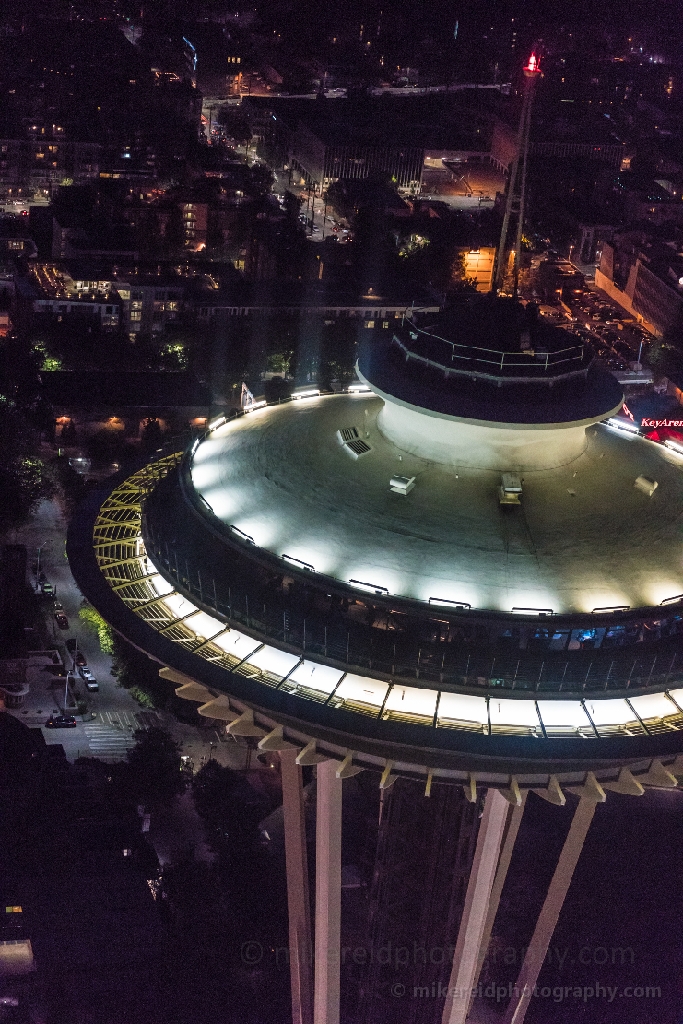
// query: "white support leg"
[[298, 901], [550, 912], [466, 956], [514, 821], [327, 894]]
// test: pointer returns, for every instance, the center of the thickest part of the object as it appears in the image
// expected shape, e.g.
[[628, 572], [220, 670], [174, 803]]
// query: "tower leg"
[[327, 894], [472, 925], [514, 821], [550, 912], [298, 902]]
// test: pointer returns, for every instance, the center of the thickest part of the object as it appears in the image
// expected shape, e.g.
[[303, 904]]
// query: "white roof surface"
[[583, 537]]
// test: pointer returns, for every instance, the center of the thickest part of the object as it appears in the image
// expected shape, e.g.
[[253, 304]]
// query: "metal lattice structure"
[[122, 559], [517, 185]]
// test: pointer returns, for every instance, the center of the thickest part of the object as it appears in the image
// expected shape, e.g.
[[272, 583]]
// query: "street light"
[[40, 548]]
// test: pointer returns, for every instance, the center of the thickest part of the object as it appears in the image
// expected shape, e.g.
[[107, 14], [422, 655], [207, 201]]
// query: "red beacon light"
[[533, 67]]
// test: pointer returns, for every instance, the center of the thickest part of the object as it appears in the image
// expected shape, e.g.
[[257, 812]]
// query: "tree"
[[231, 811], [151, 433], [260, 180], [235, 125], [276, 390], [23, 477], [68, 436], [154, 764]]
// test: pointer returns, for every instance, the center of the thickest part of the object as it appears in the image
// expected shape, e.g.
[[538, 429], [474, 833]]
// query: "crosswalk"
[[119, 719], [149, 719], [113, 735], [108, 740]]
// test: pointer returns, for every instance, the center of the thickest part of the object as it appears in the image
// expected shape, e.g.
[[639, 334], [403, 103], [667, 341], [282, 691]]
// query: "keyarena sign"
[[654, 424]]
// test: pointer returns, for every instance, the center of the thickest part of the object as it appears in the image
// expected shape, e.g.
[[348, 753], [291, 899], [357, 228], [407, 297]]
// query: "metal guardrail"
[[473, 355]]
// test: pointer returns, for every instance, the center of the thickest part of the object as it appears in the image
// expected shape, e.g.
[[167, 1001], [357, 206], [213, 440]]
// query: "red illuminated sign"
[[655, 424]]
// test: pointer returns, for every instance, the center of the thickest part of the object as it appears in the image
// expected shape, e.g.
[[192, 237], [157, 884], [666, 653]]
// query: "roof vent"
[[646, 486], [353, 442], [510, 489], [402, 484]]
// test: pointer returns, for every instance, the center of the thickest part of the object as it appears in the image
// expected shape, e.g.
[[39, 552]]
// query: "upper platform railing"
[[522, 365]]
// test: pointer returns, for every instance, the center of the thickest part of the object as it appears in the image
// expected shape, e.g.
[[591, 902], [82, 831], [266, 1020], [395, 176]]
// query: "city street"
[[107, 730]]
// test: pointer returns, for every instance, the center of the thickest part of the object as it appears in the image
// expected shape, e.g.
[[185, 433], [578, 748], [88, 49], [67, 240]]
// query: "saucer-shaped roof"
[[584, 536]]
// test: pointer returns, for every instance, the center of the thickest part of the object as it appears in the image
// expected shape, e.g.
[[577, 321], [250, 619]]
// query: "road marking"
[[119, 718], [108, 740]]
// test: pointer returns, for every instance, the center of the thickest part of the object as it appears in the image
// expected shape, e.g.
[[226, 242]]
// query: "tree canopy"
[[23, 477]]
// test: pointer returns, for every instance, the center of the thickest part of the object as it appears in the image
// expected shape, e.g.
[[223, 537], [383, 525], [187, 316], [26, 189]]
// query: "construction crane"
[[516, 186]]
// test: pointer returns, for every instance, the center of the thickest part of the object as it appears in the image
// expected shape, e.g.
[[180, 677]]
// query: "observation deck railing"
[[451, 357]]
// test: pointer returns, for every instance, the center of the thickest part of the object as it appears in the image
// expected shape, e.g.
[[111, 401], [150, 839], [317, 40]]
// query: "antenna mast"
[[517, 182]]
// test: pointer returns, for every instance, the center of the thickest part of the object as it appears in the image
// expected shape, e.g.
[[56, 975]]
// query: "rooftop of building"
[[585, 536], [645, 188], [440, 714], [309, 294], [437, 121]]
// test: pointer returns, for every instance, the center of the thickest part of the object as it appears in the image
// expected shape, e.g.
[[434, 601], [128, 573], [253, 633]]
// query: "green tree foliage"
[[23, 477], [135, 670], [94, 621]]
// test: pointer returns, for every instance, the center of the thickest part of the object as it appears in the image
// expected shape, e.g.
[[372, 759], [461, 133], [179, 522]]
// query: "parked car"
[[75, 652], [60, 615], [87, 676], [61, 722]]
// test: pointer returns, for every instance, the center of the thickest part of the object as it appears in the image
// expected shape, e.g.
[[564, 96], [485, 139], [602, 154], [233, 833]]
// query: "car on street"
[[61, 722], [60, 615], [47, 590], [88, 678]]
